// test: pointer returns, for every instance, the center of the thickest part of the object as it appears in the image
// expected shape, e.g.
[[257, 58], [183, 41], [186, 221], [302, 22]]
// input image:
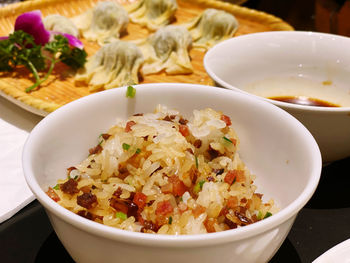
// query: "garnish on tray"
[[37, 49]]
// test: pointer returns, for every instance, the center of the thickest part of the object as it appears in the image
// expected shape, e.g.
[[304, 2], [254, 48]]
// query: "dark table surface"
[[323, 223]]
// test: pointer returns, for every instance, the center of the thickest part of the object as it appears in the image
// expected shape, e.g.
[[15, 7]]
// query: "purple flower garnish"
[[32, 23]]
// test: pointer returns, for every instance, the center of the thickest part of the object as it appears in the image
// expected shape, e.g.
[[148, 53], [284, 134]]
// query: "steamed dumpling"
[[153, 13], [103, 23], [114, 65], [211, 27], [167, 49], [61, 24]]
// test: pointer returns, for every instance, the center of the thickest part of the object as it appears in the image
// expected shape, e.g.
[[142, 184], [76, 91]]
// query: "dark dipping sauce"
[[304, 101]]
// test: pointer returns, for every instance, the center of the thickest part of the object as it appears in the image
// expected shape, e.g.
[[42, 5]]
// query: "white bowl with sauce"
[[276, 147], [311, 70]]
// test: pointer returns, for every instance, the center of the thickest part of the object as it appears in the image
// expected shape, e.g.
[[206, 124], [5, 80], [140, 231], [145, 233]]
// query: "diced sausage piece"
[[70, 187], [118, 205], [226, 119], [105, 136], [183, 129], [224, 211], [167, 118], [88, 215], [164, 208], [52, 194], [128, 126], [118, 192], [140, 200], [87, 200], [213, 153], [244, 220], [230, 224], [230, 177], [97, 149], [149, 225], [132, 209], [197, 143], [183, 121], [179, 188]]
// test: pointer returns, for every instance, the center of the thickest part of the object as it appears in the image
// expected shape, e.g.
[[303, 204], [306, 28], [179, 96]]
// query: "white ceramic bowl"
[[274, 145], [292, 63]]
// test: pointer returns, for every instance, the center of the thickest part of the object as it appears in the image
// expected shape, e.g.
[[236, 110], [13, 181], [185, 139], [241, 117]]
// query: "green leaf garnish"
[[20, 50], [170, 220], [130, 92], [196, 160], [138, 150], [56, 187], [121, 215]]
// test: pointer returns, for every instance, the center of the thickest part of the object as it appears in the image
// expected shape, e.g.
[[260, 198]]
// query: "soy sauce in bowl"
[[302, 100]]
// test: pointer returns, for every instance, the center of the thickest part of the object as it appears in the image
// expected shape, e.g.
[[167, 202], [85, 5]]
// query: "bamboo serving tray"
[[61, 89]]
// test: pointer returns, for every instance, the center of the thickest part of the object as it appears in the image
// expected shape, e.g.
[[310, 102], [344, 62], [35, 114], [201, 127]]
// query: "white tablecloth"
[[15, 125]]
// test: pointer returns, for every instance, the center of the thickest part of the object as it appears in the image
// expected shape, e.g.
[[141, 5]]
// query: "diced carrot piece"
[[164, 208], [179, 188], [226, 119], [140, 200], [240, 176], [52, 194], [183, 129]]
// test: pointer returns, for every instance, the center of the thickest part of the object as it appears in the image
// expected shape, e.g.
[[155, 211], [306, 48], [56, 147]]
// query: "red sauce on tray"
[[301, 100]]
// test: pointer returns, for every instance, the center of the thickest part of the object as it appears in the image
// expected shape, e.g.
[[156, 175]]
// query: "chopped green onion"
[[126, 146], [138, 150], [130, 92], [227, 139], [56, 187], [196, 159], [76, 177], [121, 215], [198, 186], [99, 143], [268, 214], [170, 220]]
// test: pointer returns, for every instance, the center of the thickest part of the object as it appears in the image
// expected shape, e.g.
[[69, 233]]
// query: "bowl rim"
[[258, 35], [197, 240]]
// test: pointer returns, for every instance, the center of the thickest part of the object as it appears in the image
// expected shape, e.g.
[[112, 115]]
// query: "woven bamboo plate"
[[60, 89]]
